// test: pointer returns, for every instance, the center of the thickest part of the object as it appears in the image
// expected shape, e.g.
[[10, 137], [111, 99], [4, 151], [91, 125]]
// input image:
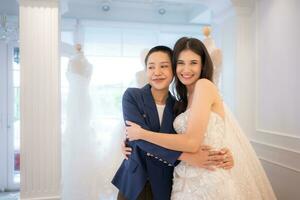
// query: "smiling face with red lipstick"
[[191, 62], [188, 67]]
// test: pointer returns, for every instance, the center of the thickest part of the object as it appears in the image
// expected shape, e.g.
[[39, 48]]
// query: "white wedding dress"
[[80, 163], [245, 181], [90, 156]]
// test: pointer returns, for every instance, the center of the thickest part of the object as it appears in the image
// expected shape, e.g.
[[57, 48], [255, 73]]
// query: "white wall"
[[264, 92], [278, 32], [277, 138]]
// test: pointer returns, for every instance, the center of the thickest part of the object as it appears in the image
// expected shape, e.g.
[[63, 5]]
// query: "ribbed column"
[[40, 99], [224, 33], [245, 63]]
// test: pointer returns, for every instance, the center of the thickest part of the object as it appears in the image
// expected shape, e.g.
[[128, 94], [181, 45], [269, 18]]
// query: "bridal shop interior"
[[61, 135]]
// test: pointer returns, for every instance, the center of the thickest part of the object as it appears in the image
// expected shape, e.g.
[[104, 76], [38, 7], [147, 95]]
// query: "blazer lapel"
[[167, 121], [151, 114]]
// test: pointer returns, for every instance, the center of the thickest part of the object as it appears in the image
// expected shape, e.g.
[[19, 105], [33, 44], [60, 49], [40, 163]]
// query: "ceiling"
[[145, 11], [9, 7]]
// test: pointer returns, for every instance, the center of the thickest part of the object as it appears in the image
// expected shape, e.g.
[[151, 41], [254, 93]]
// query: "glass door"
[[13, 116]]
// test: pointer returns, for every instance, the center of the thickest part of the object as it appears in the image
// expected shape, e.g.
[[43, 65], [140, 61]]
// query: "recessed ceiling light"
[[105, 7], [162, 11]]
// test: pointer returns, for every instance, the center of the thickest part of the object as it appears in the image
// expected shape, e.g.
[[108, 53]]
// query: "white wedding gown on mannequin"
[[216, 57], [245, 181], [90, 156], [80, 163]]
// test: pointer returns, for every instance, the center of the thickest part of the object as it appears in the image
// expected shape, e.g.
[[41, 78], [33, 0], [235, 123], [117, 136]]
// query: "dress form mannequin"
[[79, 64], [80, 164], [215, 54], [140, 76]]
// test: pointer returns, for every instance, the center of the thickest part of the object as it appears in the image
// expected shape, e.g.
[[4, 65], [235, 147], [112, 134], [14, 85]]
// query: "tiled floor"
[[9, 195]]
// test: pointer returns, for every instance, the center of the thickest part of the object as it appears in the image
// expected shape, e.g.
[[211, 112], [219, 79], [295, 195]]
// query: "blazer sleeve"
[[132, 113]]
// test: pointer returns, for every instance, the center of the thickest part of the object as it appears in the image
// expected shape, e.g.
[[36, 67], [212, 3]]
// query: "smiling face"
[[159, 70], [188, 67], [191, 62]]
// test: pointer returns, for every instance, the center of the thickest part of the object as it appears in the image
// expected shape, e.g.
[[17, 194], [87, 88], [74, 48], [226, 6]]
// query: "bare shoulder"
[[208, 87], [206, 84]]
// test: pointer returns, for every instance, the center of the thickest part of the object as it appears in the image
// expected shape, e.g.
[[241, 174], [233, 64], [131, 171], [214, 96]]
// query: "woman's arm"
[[133, 112], [203, 99]]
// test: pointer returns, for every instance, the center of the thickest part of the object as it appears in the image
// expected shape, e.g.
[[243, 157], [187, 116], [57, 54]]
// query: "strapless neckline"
[[211, 113]]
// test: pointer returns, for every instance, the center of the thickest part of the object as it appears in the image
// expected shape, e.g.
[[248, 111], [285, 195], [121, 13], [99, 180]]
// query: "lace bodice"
[[198, 183], [214, 135]]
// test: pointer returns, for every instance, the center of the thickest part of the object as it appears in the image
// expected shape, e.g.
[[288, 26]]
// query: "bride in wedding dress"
[[203, 118], [80, 164]]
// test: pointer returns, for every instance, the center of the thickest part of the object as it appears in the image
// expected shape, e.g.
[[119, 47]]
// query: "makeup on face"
[[188, 67], [159, 70]]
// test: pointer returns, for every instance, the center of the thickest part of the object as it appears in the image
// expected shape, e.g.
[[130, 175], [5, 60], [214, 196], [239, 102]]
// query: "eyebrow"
[[160, 62], [189, 60]]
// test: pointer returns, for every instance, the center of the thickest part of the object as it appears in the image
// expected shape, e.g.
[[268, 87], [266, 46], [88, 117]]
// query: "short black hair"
[[160, 48]]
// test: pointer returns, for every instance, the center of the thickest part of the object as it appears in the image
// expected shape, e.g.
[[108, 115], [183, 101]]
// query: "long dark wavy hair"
[[180, 89]]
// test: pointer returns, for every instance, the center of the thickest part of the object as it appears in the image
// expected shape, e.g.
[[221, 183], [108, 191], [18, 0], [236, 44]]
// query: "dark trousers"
[[146, 193]]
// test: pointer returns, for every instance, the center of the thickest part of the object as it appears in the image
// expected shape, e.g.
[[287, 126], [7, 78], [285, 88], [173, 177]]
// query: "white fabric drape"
[[248, 172]]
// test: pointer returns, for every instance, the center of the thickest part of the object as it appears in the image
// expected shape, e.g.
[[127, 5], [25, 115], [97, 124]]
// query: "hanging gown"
[[80, 163]]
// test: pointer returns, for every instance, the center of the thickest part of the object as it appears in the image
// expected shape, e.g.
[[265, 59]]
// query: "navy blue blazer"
[[147, 162]]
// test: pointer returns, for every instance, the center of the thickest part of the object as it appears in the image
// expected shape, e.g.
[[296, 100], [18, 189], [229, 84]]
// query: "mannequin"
[[140, 76], [215, 53], [80, 163], [79, 64]]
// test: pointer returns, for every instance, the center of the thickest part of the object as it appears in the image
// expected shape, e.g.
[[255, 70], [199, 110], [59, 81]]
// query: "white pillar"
[[235, 35], [40, 99], [245, 64], [224, 33]]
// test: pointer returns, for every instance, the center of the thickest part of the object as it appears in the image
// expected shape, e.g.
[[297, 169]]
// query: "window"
[[10, 116]]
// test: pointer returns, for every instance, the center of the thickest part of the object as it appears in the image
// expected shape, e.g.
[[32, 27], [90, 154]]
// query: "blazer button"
[[148, 154], [144, 115]]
